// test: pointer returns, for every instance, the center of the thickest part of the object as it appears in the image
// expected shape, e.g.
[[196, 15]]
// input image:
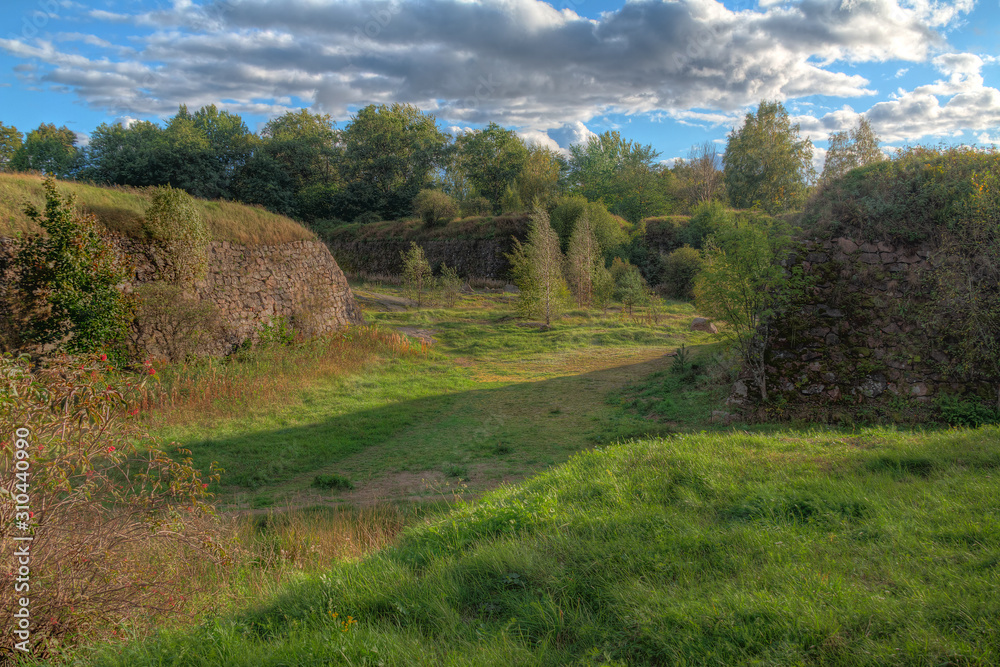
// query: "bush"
[[630, 286], [114, 520], [958, 412], [67, 282], [330, 482], [911, 198], [679, 271], [435, 208], [174, 219]]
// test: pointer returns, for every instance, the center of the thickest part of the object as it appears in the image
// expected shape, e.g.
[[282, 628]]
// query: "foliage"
[[680, 268], [630, 287], [174, 220], [766, 164], [585, 268], [435, 208], [706, 219], [389, 154], [475, 206], [417, 273], [278, 332], [699, 178], [538, 182], [623, 175], [913, 198], [966, 413], [966, 275], [849, 151], [10, 141], [68, 280], [492, 159], [174, 321], [104, 502], [742, 284], [451, 284], [47, 149], [607, 228], [537, 268], [328, 482]]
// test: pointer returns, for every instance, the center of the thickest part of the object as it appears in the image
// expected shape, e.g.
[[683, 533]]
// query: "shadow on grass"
[[528, 423]]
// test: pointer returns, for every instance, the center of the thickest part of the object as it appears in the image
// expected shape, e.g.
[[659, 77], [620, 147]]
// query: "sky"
[[672, 74]]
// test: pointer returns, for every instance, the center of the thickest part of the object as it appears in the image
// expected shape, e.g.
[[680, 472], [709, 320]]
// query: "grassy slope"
[[877, 547], [121, 210]]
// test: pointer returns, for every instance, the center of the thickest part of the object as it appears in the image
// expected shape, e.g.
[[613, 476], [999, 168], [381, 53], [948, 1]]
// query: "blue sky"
[[671, 74]]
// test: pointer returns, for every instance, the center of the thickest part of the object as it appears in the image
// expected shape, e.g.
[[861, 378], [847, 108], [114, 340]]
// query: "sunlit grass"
[[121, 210]]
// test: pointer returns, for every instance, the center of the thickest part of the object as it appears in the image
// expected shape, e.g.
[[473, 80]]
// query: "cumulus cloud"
[[523, 63]]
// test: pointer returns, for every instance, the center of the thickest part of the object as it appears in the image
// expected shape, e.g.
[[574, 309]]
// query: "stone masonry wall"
[[472, 258], [856, 338], [249, 286]]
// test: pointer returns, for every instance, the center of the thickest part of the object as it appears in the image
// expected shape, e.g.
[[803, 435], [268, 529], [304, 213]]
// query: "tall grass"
[[121, 210], [206, 389]]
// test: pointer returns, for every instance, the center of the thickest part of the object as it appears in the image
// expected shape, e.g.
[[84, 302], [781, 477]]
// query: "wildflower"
[[31, 514], [111, 448], [151, 371], [204, 486], [104, 357]]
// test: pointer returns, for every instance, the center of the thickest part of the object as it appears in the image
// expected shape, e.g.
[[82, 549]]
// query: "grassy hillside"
[[875, 547], [121, 210]]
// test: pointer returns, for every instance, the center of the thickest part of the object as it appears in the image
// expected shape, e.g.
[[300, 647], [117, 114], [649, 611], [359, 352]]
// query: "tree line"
[[302, 165]]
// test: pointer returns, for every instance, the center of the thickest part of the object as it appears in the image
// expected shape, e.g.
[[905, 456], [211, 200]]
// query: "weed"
[[330, 482]]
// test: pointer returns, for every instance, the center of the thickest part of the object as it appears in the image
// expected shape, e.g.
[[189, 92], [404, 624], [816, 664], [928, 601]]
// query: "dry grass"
[[121, 210], [189, 393]]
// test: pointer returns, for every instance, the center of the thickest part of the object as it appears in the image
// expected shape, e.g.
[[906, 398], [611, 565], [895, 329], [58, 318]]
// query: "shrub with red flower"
[[102, 493]]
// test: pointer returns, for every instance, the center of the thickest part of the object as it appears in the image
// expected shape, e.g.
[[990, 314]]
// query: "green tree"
[[630, 287], [538, 182], [48, 149], [417, 273], [537, 268], [766, 164], [742, 284], [68, 278], [585, 268], [10, 141], [390, 154], [680, 268], [606, 227], [706, 219], [623, 175], [435, 208], [120, 155], [492, 159], [850, 150]]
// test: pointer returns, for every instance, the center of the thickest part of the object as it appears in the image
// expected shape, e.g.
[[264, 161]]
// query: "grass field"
[[577, 508], [121, 210], [491, 400]]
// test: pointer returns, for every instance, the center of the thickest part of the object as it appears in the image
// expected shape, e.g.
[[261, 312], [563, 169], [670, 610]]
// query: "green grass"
[[877, 547], [493, 400], [122, 209]]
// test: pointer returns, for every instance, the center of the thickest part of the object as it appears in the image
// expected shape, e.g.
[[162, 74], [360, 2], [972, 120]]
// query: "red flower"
[[31, 514], [104, 357], [41, 447], [111, 448], [204, 486], [151, 371]]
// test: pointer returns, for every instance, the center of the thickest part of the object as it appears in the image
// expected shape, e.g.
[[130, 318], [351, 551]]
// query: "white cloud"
[[522, 63]]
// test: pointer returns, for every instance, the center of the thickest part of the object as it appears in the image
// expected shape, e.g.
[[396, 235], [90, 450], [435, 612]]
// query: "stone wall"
[[249, 286], [472, 258], [855, 337]]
